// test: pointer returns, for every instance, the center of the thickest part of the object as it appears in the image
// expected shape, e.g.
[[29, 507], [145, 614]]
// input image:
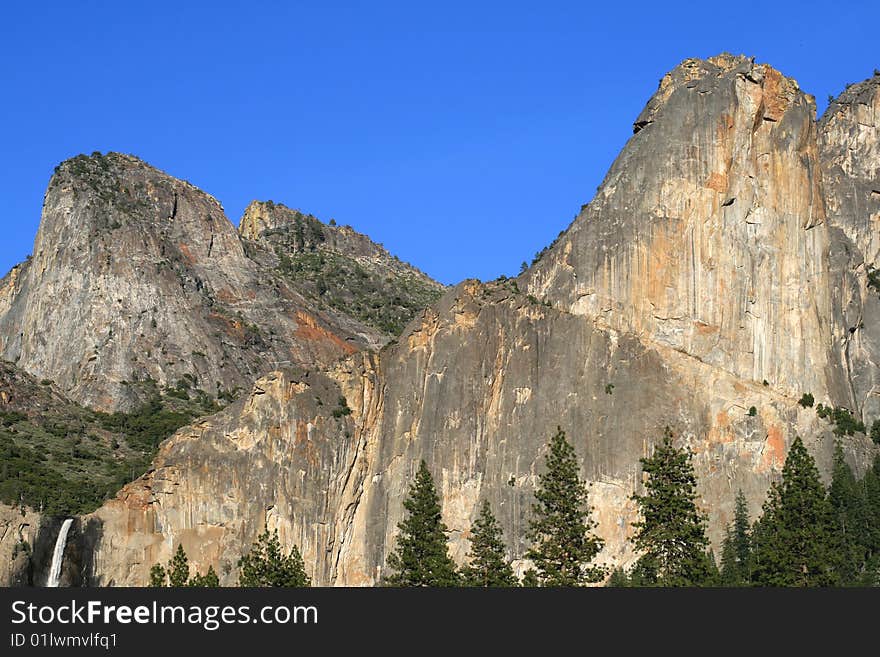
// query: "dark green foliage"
[[266, 565], [729, 566], [488, 565], [671, 532], [341, 409], [68, 460], [158, 576], [874, 279], [208, 580], [530, 579], [561, 531], [618, 579], [875, 432], [178, 568], [844, 422], [421, 557], [752, 411], [806, 400], [177, 573], [385, 301], [857, 523], [7, 419], [795, 543], [736, 553], [609, 388]]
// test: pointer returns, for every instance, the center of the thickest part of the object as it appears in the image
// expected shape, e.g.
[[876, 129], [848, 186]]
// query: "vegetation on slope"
[[66, 459]]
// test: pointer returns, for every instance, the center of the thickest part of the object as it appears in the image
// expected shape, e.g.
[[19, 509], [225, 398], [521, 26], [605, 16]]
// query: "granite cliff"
[[138, 276], [724, 264]]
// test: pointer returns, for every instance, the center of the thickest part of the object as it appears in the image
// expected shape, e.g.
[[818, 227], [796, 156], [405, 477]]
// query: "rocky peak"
[[708, 228], [137, 275], [337, 267], [704, 76]]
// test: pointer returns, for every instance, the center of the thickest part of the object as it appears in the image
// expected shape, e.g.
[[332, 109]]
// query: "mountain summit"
[[724, 272]]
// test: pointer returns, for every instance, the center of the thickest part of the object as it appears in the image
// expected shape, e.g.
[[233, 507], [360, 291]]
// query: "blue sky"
[[463, 136]]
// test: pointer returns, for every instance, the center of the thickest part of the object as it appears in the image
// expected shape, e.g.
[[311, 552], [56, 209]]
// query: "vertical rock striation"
[[704, 279], [849, 149], [708, 233]]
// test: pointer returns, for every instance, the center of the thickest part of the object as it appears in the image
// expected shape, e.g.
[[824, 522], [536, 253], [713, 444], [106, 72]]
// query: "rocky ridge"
[[716, 271], [137, 275]]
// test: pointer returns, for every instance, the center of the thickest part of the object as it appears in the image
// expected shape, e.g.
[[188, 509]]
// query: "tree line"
[[807, 535]]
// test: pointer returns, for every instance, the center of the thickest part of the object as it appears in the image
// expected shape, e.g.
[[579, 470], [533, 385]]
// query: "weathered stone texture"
[[705, 266], [849, 149], [136, 274]]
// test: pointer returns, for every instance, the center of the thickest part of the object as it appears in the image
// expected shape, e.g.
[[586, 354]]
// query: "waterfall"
[[58, 554]]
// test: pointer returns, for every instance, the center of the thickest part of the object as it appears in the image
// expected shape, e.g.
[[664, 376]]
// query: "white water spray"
[[58, 554]]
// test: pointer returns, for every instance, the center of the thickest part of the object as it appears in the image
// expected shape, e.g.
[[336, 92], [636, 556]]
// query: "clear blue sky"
[[464, 136]]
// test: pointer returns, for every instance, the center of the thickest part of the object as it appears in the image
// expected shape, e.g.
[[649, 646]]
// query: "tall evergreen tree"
[[795, 542], [848, 501], [871, 486], [266, 565], [736, 552], [618, 579], [671, 533], [488, 560], [742, 541], [178, 568], [561, 531], [730, 572], [421, 557], [158, 576]]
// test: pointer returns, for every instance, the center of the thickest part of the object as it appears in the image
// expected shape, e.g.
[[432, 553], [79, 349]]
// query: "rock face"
[[18, 535], [706, 278], [139, 275], [338, 269], [698, 284], [849, 148], [708, 233]]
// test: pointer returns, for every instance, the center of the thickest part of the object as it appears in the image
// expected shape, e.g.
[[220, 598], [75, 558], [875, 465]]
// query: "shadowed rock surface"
[[849, 149]]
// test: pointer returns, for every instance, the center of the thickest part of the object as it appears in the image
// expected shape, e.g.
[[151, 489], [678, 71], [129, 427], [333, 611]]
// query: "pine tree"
[[421, 557], [730, 572], [561, 531], [795, 542], [736, 550], [488, 561], [266, 565], [618, 579], [850, 516], [671, 533], [177, 573], [530, 579], [178, 568], [209, 579], [158, 576], [742, 542], [871, 486], [713, 575]]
